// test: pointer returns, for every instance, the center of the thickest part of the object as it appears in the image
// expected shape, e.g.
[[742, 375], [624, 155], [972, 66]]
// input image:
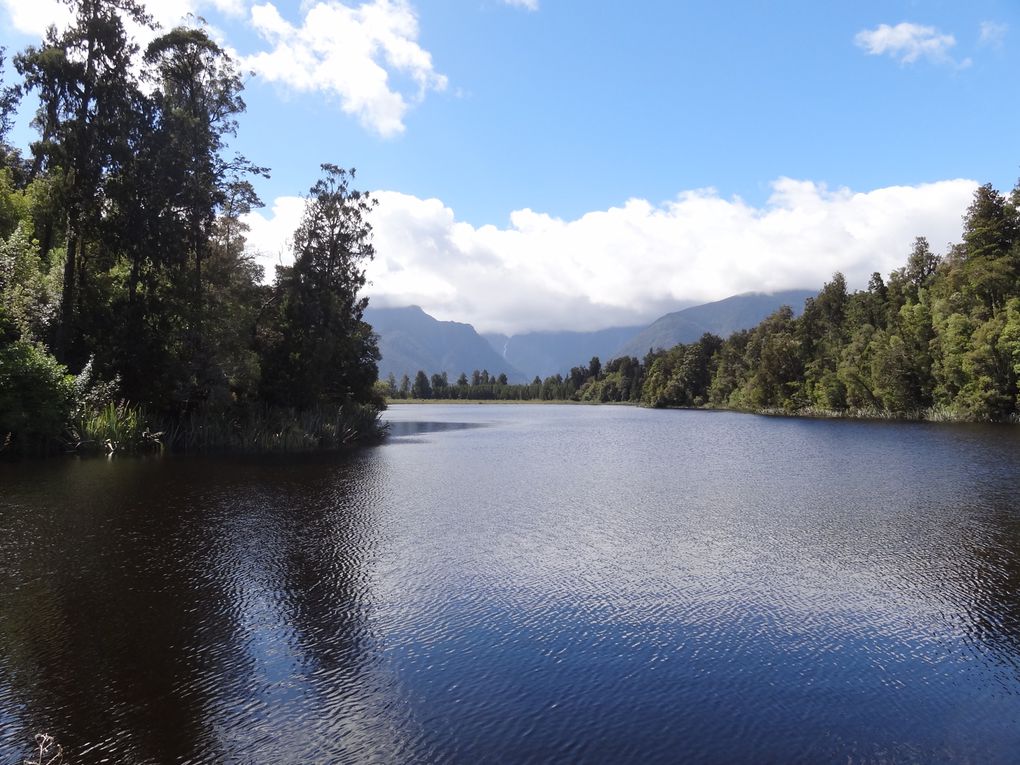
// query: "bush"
[[35, 398]]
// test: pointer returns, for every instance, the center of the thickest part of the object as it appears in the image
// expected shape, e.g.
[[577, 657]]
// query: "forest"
[[937, 339], [130, 315]]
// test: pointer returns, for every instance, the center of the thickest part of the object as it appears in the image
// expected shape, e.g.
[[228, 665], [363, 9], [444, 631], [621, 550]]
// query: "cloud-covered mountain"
[[410, 339], [550, 353], [627, 264], [723, 318]]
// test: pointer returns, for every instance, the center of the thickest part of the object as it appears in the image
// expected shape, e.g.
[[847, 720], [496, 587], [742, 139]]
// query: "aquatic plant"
[[277, 429], [112, 428], [47, 751]]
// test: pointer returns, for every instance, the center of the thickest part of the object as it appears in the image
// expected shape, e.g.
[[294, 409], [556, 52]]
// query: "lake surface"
[[524, 584]]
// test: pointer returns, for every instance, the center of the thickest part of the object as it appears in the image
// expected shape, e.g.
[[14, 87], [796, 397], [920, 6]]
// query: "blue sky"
[[570, 165]]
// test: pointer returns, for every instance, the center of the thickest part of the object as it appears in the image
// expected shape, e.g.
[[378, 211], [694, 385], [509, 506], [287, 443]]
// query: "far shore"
[[394, 401], [931, 415]]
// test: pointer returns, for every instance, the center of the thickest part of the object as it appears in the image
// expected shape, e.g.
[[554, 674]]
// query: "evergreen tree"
[[325, 350]]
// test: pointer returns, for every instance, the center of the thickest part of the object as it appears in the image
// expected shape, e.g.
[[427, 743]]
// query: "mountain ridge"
[[412, 340], [720, 317]]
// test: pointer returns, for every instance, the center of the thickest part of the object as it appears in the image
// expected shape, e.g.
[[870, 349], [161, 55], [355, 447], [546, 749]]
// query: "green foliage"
[[112, 428], [122, 254], [939, 339], [29, 291], [421, 387], [683, 375], [264, 428], [324, 351], [35, 397]]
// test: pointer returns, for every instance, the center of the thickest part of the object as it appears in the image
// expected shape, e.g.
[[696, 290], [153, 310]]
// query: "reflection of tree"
[[324, 530], [128, 594], [191, 610], [105, 605]]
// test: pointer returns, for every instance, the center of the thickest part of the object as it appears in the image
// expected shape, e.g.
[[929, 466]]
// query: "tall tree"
[[197, 97], [989, 233], [326, 350], [87, 93]]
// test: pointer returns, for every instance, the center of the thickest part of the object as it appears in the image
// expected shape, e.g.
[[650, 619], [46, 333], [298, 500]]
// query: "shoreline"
[[937, 416]]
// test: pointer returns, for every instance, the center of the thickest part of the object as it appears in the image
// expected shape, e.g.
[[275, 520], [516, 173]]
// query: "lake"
[[524, 583]]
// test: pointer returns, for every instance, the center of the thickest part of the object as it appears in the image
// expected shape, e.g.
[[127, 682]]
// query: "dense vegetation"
[[130, 314], [937, 339], [582, 383]]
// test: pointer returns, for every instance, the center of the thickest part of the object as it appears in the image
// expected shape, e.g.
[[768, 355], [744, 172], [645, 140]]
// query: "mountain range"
[[410, 339], [550, 353], [722, 318]]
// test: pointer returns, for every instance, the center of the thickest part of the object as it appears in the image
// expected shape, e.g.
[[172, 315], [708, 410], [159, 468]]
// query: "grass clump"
[[277, 429]]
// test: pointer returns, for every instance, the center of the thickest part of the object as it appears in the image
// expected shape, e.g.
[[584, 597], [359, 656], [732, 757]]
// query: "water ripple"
[[525, 584]]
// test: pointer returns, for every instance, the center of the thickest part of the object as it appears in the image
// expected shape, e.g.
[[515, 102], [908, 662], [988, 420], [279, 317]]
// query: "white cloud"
[[907, 43], [530, 5], [33, 18], [269, 237], [993, 34], [350, 53], [632, 263]]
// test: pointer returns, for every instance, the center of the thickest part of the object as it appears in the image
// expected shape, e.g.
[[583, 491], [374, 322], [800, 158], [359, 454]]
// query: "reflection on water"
[[400, 428], [564, 583]]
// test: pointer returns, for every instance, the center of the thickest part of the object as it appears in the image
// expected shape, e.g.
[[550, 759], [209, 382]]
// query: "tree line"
[[938, 338], [129, 306], [619, 381]]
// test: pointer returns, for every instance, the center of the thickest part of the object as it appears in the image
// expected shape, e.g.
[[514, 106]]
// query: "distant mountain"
[[550, 353], [410, 339], [723, 318]]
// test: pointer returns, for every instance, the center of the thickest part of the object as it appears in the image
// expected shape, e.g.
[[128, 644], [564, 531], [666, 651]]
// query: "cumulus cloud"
[[350, 53], [269, 236], [367, 56], [630, 264], [530, 5], [907, 43], [993, 34], [35, 17]]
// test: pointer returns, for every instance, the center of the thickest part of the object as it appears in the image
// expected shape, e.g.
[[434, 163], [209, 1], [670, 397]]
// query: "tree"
[[989, 232], [421, 387], [10, 97], [88, 98], [440, 382], [922, 264], [325, 350], [197, 96]]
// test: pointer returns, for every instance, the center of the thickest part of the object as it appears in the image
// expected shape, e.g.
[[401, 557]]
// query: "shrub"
[[35, 398]]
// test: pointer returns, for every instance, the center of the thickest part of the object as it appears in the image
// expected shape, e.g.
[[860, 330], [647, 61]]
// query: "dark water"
[[518, 583]]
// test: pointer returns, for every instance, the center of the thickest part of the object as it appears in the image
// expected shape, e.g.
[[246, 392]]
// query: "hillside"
[[410, 339], [550, 353], [722, 318]]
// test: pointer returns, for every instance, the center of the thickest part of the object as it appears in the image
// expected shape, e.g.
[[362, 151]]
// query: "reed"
[[110, 428], [275, 429]]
